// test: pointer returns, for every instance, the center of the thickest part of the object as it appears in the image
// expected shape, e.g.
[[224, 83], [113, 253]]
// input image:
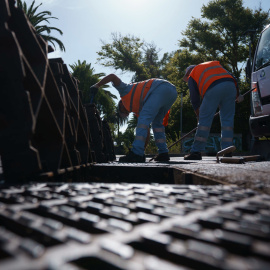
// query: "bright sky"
[[86, 22]]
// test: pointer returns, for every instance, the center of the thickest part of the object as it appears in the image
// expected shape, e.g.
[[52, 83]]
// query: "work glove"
[[240, 98], [93, 91]]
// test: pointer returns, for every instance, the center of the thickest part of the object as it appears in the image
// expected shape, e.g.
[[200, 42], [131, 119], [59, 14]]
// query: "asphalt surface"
[[254, 175]]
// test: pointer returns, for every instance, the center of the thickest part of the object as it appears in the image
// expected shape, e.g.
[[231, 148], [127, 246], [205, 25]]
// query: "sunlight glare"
[[135, 4]]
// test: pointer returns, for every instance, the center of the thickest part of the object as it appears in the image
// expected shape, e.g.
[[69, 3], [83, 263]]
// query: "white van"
[[259, 121]]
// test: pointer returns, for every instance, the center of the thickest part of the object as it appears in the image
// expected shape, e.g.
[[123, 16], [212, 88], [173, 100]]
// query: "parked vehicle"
[[260, 80], [259, 121]]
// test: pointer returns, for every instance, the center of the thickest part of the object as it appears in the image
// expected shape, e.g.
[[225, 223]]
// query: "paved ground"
[[255, 175]]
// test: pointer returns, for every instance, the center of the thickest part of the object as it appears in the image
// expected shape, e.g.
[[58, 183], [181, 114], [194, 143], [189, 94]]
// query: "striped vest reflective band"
[[206, 73], [133, 101]]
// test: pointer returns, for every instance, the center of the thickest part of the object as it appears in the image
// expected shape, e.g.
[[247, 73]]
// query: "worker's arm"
[[194, 95], [239, 96], [109, 78], [237, 87]]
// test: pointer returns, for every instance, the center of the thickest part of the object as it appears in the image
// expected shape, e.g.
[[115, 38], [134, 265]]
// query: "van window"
[[263, 51]]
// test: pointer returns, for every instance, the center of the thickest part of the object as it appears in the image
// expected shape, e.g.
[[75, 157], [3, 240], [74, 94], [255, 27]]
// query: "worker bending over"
[[151, 101], [216, 87]]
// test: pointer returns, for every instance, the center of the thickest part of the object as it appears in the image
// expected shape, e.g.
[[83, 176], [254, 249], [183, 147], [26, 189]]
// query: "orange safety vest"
[[133, 101], [206, 73]]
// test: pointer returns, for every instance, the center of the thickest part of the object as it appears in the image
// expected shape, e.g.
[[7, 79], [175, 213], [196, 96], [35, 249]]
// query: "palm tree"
[[120, 122], [37, 18], [104, 99], [132, 122]]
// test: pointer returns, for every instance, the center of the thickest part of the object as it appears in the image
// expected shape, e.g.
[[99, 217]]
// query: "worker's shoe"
[[193, 156], [132, 158], [162, 157]]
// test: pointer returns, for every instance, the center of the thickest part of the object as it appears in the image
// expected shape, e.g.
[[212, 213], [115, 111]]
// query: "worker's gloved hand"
[[93, 91], [240, 98]]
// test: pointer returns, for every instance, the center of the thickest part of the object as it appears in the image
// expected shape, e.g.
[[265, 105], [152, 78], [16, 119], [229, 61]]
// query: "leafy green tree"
[[132, 122], [37, 18], [104, 99], [174, 72], [125, 139], [120, 122], [130, 54], [219, 35]]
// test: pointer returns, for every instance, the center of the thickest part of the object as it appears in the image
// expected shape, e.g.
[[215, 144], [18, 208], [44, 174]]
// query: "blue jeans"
[[154, 109], [222, 95]]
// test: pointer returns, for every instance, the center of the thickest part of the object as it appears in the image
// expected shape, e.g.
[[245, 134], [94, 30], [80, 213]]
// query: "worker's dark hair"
[[120, 113]]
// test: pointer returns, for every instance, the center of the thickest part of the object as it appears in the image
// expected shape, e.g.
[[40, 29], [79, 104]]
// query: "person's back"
[[150, 100], [216, 87]]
